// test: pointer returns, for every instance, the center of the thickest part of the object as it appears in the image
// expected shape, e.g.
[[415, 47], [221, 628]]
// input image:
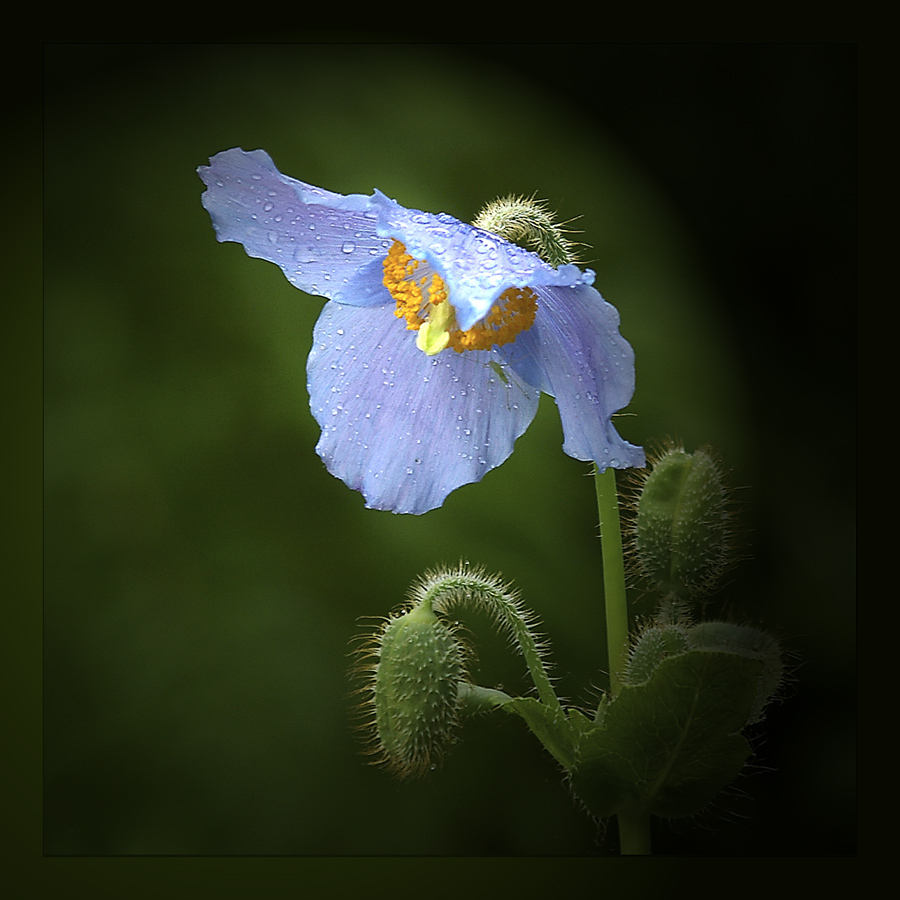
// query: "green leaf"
[[671, 744]]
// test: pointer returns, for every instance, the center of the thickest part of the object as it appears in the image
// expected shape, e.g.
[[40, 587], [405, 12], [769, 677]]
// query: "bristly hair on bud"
[[680, 525], [651, 645], [529, 221], [411, 669], [414, 667], [471, 587]]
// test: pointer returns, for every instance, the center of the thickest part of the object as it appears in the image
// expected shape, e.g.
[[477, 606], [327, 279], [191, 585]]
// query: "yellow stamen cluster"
[[512, 314]]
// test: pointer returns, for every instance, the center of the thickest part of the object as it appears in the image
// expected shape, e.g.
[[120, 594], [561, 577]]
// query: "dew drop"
[[267, 207], [348, 246]]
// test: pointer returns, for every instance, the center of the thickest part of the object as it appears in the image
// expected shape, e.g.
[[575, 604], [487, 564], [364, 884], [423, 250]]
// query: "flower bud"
[[651, 647], [682, 535], [420, 664], [526, 220]]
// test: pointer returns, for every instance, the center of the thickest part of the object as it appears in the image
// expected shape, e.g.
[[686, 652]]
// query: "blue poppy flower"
[[437, 338]]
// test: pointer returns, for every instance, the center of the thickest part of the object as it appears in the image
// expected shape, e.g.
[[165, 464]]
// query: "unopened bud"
[[651, 647], [683, 540], [420, 664]]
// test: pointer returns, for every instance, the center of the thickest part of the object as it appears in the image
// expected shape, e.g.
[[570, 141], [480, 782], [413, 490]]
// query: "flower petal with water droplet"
[[575, 353], [458, 253], [410, 428], [301, 228]]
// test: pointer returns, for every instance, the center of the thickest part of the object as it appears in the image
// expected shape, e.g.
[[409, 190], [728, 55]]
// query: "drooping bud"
[[411, 675], [683, 537], [420, 664], [414, 668]]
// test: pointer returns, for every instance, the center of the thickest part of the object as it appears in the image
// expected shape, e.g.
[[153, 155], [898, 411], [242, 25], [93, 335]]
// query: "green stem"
[[613, 576], [634, 832], [474, 698], [634, 824]]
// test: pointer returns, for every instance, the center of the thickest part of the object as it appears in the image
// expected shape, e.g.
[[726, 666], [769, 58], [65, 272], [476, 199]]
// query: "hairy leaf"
[[671, 744]]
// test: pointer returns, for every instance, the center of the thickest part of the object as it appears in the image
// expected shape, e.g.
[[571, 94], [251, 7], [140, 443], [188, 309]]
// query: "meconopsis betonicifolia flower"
[[437, 338]]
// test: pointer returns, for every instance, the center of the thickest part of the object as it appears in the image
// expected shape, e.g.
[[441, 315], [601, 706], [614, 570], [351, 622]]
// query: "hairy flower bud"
[[414, 667], [529, 221], [683, 538], [420, 664], [651, 647]]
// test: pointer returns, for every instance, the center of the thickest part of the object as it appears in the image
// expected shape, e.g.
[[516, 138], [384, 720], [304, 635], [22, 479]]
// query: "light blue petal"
[[403, 428], [325, 243], [574, 351], [476, 266]]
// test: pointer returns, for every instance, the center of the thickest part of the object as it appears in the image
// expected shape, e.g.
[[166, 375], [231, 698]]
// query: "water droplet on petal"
[[348, 247]]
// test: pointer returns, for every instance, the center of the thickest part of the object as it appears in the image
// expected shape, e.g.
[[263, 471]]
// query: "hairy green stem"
[[502, 603]]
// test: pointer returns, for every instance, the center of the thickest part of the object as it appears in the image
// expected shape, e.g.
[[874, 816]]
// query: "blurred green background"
[[204, 575]]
